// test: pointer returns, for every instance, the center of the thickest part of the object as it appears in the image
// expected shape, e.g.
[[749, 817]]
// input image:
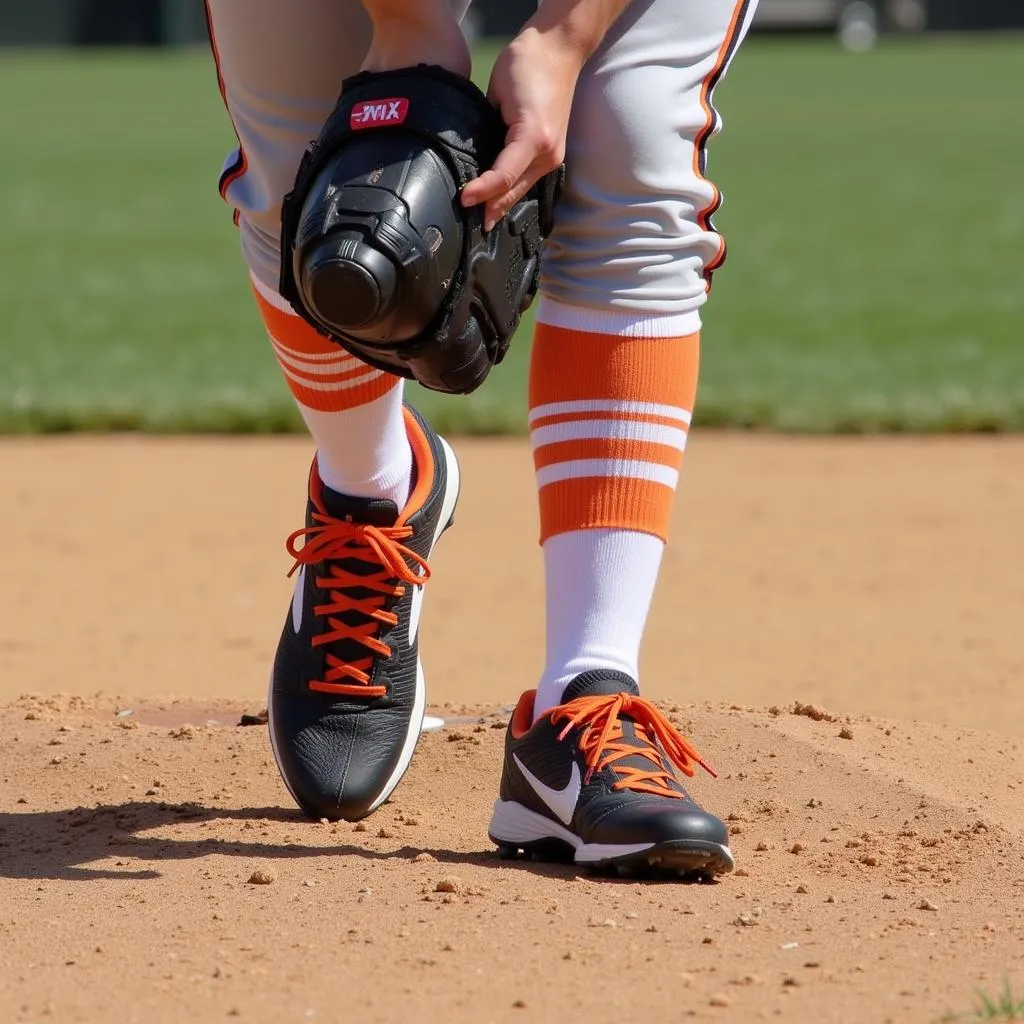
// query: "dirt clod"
[[813, 712]]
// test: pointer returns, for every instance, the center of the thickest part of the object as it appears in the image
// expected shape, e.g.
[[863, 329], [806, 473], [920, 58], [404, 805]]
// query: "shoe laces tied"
[[332, 539], [605, 746]]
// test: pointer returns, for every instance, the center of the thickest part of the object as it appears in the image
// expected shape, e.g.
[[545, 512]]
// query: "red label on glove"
[[374, 113]]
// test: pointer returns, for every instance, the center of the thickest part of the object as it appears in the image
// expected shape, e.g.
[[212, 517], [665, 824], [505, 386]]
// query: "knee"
[[272, 140], [630, 143], [633, 226]]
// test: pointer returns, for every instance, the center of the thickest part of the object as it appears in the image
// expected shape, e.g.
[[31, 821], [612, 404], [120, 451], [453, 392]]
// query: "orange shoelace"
[[338, 539], [604, 744]]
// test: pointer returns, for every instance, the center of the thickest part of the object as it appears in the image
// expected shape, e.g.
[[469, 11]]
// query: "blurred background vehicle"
[[857, 23]]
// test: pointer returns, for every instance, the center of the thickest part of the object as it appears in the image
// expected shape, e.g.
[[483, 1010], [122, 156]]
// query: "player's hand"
[[532, 84], [420, 35]]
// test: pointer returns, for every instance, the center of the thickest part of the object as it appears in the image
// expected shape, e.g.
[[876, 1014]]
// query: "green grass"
[[1003, 1007], [875, 217]]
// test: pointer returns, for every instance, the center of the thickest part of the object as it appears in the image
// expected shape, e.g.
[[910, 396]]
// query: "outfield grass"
[[875, 217]]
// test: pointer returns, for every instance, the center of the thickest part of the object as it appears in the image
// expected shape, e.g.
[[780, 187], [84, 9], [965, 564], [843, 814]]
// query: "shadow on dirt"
[[59, 845]]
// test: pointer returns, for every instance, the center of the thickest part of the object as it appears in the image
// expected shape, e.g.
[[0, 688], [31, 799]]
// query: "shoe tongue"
[[602, 682], [640, 759], [372, 511], [598, 683], [369, 511]]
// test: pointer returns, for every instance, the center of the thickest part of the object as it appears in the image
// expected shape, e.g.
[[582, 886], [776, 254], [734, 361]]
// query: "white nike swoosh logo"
[[298, 599], [561, 801], [414, 611]]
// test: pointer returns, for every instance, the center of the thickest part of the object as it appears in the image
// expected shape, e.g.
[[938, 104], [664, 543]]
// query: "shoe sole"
[[516, 828], [415, 727]]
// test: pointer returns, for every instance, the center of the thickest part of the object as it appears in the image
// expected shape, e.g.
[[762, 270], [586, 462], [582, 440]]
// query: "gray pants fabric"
[[633, 243]]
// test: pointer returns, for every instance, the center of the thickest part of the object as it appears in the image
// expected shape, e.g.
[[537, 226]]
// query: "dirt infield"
[[880, 875]]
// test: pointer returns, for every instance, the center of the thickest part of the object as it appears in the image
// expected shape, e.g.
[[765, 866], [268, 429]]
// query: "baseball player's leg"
[[280, 67], [626, 272], [347, 691], [612, 384]]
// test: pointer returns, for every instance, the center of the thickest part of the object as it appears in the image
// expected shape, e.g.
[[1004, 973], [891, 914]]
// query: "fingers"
[[527, 156], [504, 178]]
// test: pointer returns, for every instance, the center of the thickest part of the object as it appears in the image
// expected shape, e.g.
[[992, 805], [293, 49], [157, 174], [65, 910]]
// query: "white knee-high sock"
[[599, 586], [353, 411], [364, 451], [610, 401]]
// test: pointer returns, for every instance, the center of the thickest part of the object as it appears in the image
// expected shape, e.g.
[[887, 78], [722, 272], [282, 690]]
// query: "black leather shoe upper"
[[606, 811], [337, 751]]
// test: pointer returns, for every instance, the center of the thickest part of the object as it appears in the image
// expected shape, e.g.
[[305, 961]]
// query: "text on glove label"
[[370, 114]]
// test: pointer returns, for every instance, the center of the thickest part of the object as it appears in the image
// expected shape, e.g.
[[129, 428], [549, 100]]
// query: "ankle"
[[390, 482]]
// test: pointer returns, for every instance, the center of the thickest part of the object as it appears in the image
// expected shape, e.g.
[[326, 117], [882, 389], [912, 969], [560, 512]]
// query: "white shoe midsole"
[[513, 823]]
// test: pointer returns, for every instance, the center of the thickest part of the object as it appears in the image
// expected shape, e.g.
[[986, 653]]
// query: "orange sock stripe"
[[354, 369], [292, 332], [320, 374], [341, 399], [607, 448], [631, 417], [609, 423], [592, 503], [571, 365]]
